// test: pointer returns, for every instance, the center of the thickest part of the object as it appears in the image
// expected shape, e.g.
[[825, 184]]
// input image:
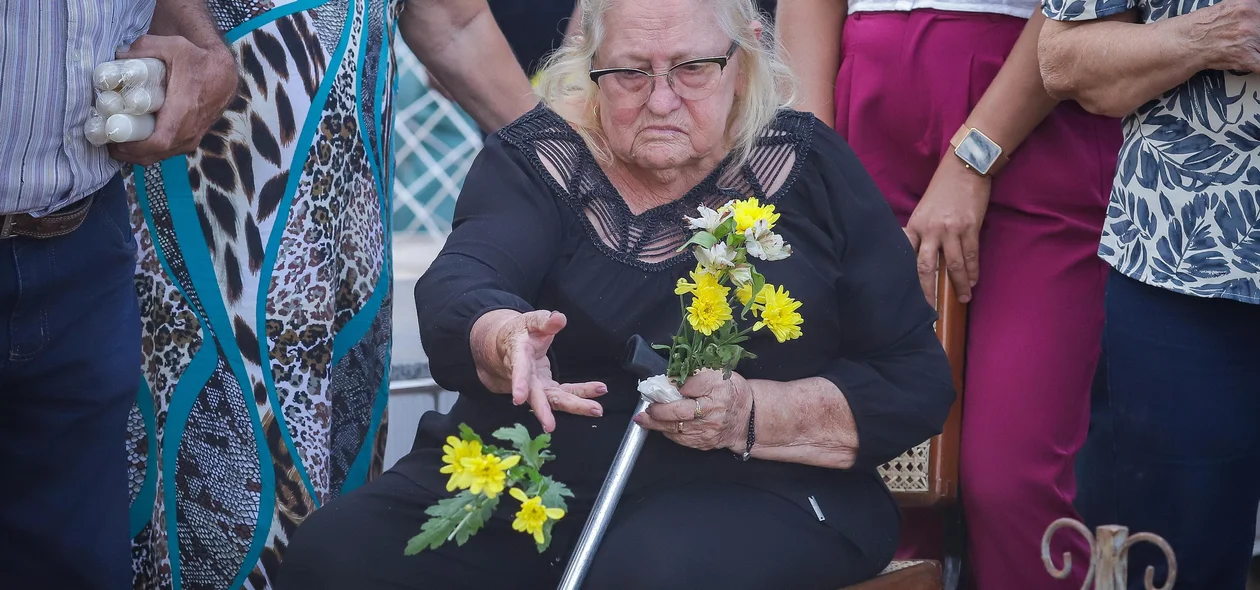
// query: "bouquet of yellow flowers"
[[482, 472], [725, 243]]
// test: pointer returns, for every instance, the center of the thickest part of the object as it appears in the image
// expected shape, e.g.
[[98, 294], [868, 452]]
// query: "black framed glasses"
[[694, 79]]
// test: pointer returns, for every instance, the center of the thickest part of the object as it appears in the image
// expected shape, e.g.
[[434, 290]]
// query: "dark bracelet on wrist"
[[752, 433]]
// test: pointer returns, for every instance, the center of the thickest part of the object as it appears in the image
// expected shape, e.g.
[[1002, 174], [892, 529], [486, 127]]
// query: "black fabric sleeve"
[[892, 368], [505, 235]]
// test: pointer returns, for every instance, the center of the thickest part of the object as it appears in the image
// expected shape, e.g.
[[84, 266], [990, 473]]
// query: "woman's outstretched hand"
[[510, 350]]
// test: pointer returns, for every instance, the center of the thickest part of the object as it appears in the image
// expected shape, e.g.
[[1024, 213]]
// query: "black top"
[[526, 239]]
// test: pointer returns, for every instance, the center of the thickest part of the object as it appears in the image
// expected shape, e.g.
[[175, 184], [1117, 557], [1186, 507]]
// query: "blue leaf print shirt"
[[1185, 206]]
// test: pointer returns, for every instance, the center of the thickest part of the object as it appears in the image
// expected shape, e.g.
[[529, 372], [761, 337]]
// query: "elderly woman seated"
[[565, 244]]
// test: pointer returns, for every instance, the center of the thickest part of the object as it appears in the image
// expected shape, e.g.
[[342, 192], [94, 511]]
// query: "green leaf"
[[475, 520], [466, 433], [444, 517], [530, 448], [703, 239]]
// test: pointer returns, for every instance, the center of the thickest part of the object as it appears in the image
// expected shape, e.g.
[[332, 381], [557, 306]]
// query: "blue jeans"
[[1174, 443], [69, 372]]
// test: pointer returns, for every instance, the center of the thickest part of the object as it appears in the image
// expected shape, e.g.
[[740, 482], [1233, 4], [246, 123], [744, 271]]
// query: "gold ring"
[[680, 428], [699, 413]]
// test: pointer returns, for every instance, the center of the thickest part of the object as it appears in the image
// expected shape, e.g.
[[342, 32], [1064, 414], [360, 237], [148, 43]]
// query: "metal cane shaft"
[[605, 504]]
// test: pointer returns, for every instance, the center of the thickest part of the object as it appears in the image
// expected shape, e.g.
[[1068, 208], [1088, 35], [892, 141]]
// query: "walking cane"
[[643, 362]]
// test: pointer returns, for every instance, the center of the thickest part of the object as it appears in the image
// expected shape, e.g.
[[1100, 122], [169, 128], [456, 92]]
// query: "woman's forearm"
[[461, 43], [810, 33], [807, 421], [1112, 66], [1016, 101]]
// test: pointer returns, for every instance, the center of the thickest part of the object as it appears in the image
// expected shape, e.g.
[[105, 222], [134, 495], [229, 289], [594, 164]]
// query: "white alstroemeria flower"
[[708, 220], [765, 244], [741, 275], [659, 390], [716, 258]]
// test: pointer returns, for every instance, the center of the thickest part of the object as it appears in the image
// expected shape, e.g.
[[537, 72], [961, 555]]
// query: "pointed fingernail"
[[602, 389], [597, 412]]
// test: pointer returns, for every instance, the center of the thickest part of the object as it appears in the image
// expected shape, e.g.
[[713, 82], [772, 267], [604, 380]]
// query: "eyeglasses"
[[694, 79]]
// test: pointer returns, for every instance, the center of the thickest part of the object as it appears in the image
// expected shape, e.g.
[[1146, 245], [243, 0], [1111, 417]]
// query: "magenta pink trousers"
[[907, 82]]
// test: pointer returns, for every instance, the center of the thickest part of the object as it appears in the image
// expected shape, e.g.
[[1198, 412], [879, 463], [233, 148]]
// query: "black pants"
[[694, 537], [1174, 442], [69, 373]]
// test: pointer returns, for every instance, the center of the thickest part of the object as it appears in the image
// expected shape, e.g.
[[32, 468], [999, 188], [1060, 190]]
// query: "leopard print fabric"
[[266, 298]]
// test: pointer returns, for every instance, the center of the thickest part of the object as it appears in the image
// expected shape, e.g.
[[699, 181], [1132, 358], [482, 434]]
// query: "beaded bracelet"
[[752, 434]]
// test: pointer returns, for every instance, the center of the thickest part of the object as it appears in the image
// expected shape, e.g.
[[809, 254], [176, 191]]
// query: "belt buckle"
[[6, 226]]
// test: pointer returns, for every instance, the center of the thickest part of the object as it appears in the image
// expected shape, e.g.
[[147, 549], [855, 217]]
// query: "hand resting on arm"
[[1143, 61]]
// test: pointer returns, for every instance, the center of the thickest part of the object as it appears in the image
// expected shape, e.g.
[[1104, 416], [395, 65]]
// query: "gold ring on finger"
[[679, 427], [699, 412]]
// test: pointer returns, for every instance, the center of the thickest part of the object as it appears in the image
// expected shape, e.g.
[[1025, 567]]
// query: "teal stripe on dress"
[[300, 154], [357, 475], [201, 272], [195, 376], [142, 506]]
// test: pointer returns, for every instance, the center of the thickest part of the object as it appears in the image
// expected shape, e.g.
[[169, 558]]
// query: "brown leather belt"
[[60, 223]]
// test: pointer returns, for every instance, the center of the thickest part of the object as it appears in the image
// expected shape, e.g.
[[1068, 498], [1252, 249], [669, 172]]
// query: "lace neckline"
[[648, 241]]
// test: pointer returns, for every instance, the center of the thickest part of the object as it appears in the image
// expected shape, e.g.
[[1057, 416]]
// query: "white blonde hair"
[[565, 86]]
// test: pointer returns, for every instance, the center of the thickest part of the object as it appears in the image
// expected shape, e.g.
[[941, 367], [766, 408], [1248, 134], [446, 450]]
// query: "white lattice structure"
[[434, 145]]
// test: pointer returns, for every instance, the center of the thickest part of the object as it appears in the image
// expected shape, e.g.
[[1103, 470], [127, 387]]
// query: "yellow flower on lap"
[[487, 473], [456, 451], [533, 515], [779, 314]]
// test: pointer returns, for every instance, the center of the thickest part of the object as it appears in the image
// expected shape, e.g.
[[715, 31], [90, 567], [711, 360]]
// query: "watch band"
[[998, 163]]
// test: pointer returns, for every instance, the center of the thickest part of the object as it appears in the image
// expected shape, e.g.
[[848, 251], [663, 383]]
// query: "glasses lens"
[[695, 81], [626, 88]]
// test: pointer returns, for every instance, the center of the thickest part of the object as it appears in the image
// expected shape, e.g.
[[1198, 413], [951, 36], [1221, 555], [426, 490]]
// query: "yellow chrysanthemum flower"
[[709, 308], [744, 293], [700, 280], [779, 314], [533, 515], [488, 473], [749, 211], [456, 451]]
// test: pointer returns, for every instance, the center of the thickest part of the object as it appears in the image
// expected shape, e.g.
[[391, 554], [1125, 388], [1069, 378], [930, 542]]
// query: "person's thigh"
[[70, 374], [728, 537], [1184, 388], [357, 541]]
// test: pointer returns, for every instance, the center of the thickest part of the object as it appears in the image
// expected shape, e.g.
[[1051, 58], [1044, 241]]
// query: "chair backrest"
[[927, 475]]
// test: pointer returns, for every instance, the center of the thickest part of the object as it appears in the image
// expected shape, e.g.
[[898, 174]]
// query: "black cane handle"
[[641, 360]]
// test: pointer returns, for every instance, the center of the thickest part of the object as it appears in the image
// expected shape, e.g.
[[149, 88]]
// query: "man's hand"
[[200, 84]]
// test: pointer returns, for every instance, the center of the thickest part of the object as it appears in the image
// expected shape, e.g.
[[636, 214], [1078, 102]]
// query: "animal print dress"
[[265, 289]]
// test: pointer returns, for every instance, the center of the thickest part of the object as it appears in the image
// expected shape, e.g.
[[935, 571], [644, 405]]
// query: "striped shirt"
[[47, 53]]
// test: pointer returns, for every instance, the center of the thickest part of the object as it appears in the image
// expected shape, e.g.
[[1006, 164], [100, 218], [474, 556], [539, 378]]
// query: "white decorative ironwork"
[[434, 145], [1109, 556]]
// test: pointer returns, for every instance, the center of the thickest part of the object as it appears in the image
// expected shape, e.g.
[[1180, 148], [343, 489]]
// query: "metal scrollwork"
[[1060, 574], [1109, 556]]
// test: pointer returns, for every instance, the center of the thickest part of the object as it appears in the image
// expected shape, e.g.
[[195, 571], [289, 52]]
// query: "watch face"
[[978, 151]]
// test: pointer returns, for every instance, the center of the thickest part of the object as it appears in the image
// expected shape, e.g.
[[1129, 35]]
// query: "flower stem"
[[461, 524]]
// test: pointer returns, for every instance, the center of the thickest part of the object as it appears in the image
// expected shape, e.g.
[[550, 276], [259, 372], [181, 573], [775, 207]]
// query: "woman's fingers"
[[586, 390], [522, 373], [971, 255], [566, 401], [541, 404], [957, 268], [681, 410], [929, 258]]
